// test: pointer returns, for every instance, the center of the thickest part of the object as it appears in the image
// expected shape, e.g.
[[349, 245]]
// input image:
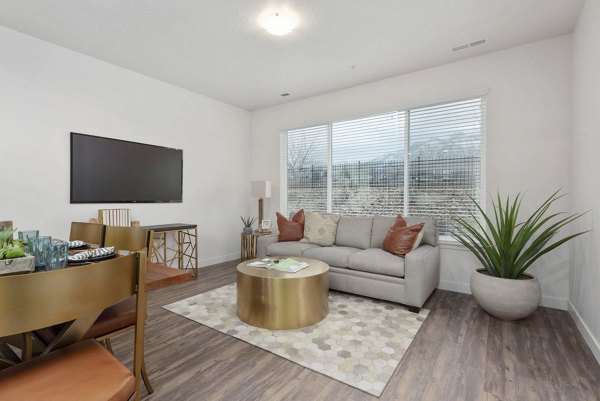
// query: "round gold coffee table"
[[281, 301]]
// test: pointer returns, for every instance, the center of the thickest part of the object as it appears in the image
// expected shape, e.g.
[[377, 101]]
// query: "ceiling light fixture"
[[278, 24]]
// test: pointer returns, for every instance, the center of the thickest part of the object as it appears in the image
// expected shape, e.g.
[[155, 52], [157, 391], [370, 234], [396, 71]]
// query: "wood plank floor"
[[460, 353]]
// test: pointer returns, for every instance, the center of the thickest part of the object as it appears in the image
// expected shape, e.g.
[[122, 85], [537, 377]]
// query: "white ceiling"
[[218, 49]]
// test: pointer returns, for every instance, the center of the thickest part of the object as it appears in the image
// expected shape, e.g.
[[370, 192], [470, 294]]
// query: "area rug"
[[360, 342]]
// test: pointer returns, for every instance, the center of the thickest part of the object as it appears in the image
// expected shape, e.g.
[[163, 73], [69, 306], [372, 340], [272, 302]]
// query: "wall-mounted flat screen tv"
[[105, 170]]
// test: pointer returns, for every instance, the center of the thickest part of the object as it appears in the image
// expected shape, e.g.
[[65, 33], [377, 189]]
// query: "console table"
[[185, 253]]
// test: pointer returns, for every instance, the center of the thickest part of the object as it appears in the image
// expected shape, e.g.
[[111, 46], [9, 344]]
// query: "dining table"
[[157, 277]]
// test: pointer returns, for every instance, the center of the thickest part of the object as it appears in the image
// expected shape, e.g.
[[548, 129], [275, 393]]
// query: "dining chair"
[[6, 224], [120, 318], [71, 369], [90, 233], [131, 239]]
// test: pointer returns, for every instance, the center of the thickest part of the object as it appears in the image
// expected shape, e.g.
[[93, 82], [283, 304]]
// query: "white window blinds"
[[307, 160], [445, 160], [367, 165], [425, 161]]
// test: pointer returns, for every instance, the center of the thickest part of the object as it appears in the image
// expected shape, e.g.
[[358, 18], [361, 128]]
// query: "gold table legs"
[[248, 246], [184, 252]]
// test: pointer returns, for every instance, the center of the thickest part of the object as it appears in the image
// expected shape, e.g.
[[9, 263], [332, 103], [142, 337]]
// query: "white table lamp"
[[261, 190]]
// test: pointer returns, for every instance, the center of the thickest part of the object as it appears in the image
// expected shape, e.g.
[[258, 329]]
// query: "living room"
[[236, 86]]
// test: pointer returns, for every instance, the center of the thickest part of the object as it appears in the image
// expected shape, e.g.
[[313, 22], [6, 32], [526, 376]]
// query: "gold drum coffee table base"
[[282, 301]]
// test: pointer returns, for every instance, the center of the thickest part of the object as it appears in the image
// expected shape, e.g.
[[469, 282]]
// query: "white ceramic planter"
[[505, 298]]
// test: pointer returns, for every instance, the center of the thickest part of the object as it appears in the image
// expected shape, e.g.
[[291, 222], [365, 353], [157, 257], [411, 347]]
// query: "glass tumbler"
[[28, 237], [40, 247], [58, 254]]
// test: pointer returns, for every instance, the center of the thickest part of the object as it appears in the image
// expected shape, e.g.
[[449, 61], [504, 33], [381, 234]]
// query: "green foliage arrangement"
[[9, 248], [506, 247], [248, 221]]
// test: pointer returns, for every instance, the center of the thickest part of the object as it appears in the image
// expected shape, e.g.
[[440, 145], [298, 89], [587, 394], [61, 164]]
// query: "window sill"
[[450, 243]]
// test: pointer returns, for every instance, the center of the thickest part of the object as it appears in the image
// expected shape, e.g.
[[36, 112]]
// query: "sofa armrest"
[[262, 243], [421, 273]]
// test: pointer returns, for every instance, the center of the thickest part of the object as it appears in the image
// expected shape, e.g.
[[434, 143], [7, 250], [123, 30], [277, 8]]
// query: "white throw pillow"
[[320, 229]]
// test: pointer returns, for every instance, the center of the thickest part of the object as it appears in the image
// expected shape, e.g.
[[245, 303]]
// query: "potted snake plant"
[[507, 245], [248, 222]]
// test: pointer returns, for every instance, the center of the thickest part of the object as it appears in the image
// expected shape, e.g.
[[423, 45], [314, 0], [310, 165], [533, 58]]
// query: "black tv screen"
[[105, 170]]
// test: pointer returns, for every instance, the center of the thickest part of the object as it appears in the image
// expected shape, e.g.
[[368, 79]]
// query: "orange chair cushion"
[[83, 371], [113, 318]]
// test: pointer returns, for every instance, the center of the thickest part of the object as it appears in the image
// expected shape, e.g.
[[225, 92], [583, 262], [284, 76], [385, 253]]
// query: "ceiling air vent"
[[465, 46]]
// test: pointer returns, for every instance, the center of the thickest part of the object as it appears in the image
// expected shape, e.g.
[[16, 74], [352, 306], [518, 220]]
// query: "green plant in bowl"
[[9, 248], [248, 221], [506, 245]]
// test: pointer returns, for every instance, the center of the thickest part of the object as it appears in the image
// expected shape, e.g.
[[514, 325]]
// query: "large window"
[[422, 161], [307, 160]]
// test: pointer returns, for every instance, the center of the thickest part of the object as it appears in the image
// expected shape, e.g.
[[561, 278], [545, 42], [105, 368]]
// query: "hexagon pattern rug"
[[359, 343]]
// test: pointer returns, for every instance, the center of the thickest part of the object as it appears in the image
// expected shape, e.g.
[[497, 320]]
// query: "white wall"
[[47, 91], [584, 293], [528, 127]]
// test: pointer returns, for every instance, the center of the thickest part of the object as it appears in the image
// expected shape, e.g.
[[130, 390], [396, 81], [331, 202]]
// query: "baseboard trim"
[[455, 286], [548, 302], [555, 303], [585, 331], [203, 262]]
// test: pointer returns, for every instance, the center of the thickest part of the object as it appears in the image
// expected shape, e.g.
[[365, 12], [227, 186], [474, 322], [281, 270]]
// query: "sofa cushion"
[[289, 248], [430, 232], [354, 232], [320, 229], [332, 255], [293, 229], [402, 240], [378, 261], [381, 225]]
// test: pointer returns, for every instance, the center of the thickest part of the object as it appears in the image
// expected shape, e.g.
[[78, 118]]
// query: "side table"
[[248, 244]]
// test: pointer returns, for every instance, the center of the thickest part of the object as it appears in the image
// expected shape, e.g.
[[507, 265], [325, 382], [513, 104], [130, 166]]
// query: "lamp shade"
[[261, 189]]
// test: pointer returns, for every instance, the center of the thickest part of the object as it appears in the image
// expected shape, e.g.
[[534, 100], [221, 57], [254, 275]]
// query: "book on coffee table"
[[287, 265]]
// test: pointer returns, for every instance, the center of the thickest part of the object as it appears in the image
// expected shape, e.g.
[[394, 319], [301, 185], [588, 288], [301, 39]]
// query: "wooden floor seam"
[[460, 353]]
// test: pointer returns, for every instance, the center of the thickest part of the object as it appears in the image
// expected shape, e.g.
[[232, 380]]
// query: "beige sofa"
[[358, 265]]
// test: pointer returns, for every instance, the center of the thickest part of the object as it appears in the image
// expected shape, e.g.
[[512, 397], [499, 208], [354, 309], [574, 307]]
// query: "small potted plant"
[[248, 222], [506, 247], [13, 258]]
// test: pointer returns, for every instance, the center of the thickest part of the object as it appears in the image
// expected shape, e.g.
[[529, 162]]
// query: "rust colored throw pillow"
[[402, 240], [400, 222], [291, 230]]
